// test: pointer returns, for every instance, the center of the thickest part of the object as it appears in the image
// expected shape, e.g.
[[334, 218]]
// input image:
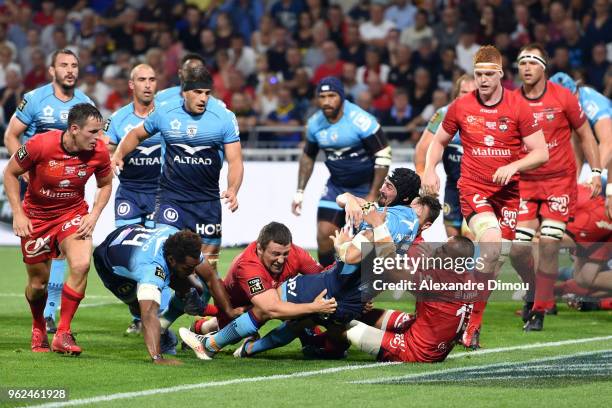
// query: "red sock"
[[545, 292], [70, 303], [605, 303], [210, 310], [38, 307], [477, 313], [571, 286], [397, 322]]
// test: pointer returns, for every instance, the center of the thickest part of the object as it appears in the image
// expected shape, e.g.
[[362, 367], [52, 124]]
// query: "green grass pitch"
[[568, 364]]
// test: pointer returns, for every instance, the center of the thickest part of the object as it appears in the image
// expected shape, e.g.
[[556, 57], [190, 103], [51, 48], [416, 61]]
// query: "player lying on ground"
[[251, 283], [427, 336], [345, 280], [259, 268], [137, 264], [55, 217]]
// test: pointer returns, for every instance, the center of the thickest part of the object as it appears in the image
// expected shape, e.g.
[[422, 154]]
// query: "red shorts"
[[400, 347], [503, 201], [43, 243], [590, 230], [553, 198]]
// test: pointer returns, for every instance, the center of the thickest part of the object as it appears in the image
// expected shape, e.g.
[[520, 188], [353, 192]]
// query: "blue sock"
[[243, 326], [278, 337], [55, 286], [173, 311]]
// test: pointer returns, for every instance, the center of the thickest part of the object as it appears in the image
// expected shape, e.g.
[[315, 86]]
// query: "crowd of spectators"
[[397, 59]]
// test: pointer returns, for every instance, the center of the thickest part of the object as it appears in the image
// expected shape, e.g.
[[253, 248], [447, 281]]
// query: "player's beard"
[[334, 113], [66, 87]]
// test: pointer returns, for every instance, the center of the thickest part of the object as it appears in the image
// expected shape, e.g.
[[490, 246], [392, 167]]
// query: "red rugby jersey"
[[58, 177], [491, 135], [558, 111]]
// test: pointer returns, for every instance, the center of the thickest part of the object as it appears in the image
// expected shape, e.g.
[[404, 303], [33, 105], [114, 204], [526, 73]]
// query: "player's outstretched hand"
[[116, 164], [296, 204], [86, 228], [430, 183], [325, 306], [342, 235], [168, 362], [230, 199], [595, 185], [22, 226], [503, 174]]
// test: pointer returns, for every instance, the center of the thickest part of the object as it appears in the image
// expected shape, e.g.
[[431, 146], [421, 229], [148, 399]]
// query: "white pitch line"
[[167, 390], [517, 377], [475, 369]]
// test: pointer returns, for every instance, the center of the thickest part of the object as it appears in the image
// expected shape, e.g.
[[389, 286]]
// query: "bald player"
[[135, 196]]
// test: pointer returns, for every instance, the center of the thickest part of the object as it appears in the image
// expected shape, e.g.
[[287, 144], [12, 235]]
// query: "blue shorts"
[[344, 288], [452, 208], [132, 207], [328, 209], [204, 218], [123, 288]]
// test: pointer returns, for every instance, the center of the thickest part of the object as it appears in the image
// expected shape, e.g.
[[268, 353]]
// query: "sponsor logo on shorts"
[[255, 285], [75, 222], [480, 201], [447, 209], [170, 214], [123, 208], [523, 209], [159, 272], [508, 218], [125, 289], [604, 225], [208, 229], [442, 347], [398, 342], [38, 246], [559, 204]]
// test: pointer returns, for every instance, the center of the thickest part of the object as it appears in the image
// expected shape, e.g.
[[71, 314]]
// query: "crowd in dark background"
[[397, 59]]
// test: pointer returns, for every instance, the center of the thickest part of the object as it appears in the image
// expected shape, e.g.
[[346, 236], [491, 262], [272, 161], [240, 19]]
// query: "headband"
[[532, 57], [487, 66], [191, 85]]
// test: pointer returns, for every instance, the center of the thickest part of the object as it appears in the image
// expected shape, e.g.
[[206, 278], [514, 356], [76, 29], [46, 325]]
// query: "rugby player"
[[357, 153], [43, 109], [351, 287], [252, 281], [135, 196], [598, 110], [494, 125], [197, 135], [451, 158], [136, 264], [54, 216], [548, 193]]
